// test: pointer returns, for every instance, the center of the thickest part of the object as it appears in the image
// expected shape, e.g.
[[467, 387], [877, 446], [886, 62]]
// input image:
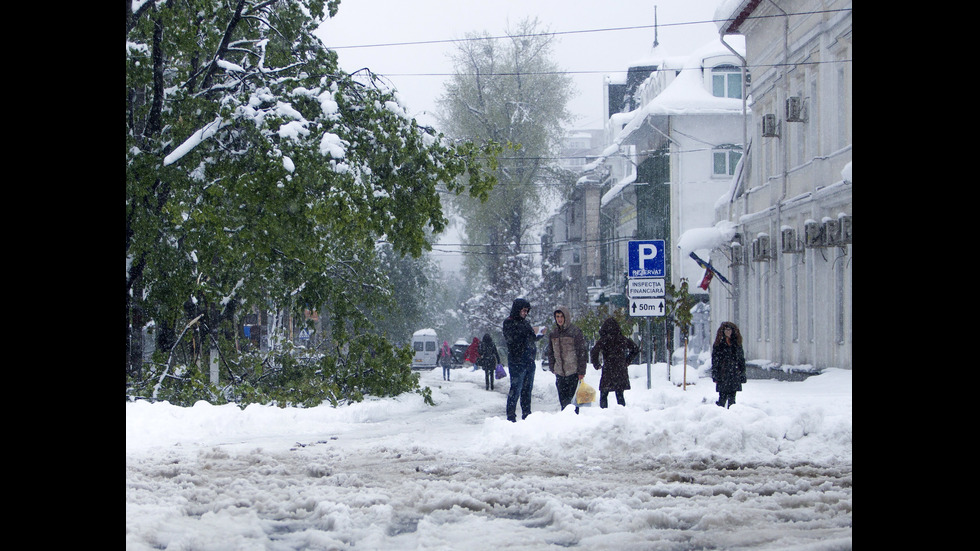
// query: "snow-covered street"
[[670, 471]]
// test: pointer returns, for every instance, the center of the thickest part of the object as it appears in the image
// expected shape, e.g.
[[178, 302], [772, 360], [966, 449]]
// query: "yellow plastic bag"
[[585, 394]]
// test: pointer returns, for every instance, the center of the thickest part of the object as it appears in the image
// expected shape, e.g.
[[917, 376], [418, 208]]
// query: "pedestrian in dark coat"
[[488, 359], [521, 351], [727, 363], [618, 352]]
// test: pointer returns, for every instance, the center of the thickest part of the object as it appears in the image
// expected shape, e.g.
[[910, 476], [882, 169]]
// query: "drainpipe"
[[782, 196], [736, 292]]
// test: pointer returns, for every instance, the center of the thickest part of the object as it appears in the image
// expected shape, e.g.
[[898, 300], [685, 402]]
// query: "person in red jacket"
[[472, 354]]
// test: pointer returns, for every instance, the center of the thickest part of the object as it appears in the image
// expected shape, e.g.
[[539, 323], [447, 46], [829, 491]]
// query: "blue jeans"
[[521, 381]]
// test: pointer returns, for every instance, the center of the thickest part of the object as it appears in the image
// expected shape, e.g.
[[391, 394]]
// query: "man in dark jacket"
[[567, 356], [519, 337]]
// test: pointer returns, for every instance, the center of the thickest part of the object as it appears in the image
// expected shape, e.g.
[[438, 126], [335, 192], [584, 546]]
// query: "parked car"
[[458, 350]]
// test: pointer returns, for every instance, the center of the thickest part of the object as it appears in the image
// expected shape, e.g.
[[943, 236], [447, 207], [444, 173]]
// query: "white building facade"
[[791, 258]]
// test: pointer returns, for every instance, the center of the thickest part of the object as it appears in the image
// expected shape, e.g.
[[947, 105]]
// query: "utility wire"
[[583, 31], [595, 71]]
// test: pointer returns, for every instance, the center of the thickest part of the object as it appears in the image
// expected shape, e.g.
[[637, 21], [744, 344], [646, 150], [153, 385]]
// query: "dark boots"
[[726, 400]]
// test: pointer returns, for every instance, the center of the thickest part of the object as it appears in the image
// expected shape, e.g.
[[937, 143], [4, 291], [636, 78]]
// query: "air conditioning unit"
[[796, 109], [770, 126], [831, 232], [760, 249], [790, 244], [812, 234], [738, 254], [845, 228]]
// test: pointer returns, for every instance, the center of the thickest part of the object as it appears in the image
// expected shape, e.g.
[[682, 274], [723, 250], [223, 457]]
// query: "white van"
[[426, 347]]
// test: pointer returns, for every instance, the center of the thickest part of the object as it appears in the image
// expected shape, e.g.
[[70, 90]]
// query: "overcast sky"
[[598, 38]]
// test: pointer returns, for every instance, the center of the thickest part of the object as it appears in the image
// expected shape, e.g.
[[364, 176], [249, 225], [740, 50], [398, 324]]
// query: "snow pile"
[[670, 470]]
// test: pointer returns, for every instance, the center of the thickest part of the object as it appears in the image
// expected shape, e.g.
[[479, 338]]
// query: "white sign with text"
[[646, 287]]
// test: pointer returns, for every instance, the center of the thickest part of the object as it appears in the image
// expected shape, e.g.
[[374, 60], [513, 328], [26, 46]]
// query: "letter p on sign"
[[647, 252]]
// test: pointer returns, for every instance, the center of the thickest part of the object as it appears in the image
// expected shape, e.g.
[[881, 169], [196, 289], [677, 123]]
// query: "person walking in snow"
[[567, 356], [472, 353], [521, 351], [727, 363], [488, 359], [445, 359], [617, 352]]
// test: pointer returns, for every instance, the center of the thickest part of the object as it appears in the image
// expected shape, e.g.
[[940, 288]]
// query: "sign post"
[[646, 275]]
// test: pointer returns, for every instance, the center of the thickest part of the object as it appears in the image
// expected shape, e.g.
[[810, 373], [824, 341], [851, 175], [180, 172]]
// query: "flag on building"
[[709, 273], [706, 280]]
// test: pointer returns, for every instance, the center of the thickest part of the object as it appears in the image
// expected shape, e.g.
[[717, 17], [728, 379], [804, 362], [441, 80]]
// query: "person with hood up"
[[520, 338], [727, 363], [472, 353], [488, 359], [618, 352], [445, 359], [567, 356]]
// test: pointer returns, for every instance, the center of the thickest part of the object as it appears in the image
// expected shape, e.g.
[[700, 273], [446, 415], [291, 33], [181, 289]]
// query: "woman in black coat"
[[618, 352], [489, 358], [727, 363]]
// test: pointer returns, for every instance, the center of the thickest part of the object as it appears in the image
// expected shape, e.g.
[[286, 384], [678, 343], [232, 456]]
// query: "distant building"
[[570, 243], [580, 147]]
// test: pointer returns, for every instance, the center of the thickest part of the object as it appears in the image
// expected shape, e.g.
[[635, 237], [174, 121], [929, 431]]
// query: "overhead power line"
[[559, 33], [596, 71]]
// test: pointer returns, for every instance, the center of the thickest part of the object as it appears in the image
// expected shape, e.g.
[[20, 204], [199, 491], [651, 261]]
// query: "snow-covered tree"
[[506, 91], [260, 175]]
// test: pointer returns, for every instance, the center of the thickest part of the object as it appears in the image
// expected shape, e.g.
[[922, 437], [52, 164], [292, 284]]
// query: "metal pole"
[[649, 342], [685, 362]]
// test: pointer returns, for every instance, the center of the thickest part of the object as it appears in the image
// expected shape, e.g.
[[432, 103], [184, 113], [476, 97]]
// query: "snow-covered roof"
[[658, 57], [730, 14], [687, 94], [698, 239], [616, 189]]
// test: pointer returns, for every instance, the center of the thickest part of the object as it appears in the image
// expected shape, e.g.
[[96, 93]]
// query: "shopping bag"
[[500, 372], [584, 394]]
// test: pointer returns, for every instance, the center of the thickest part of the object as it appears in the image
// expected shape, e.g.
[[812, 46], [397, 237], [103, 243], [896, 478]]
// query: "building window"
[[726, 82], [724, 160]]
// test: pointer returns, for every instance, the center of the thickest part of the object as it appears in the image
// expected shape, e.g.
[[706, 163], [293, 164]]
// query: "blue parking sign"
[[646, 258]]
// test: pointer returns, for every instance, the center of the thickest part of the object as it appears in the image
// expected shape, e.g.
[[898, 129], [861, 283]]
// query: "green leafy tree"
[[679, 302], [414, 282], [261, 177]]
